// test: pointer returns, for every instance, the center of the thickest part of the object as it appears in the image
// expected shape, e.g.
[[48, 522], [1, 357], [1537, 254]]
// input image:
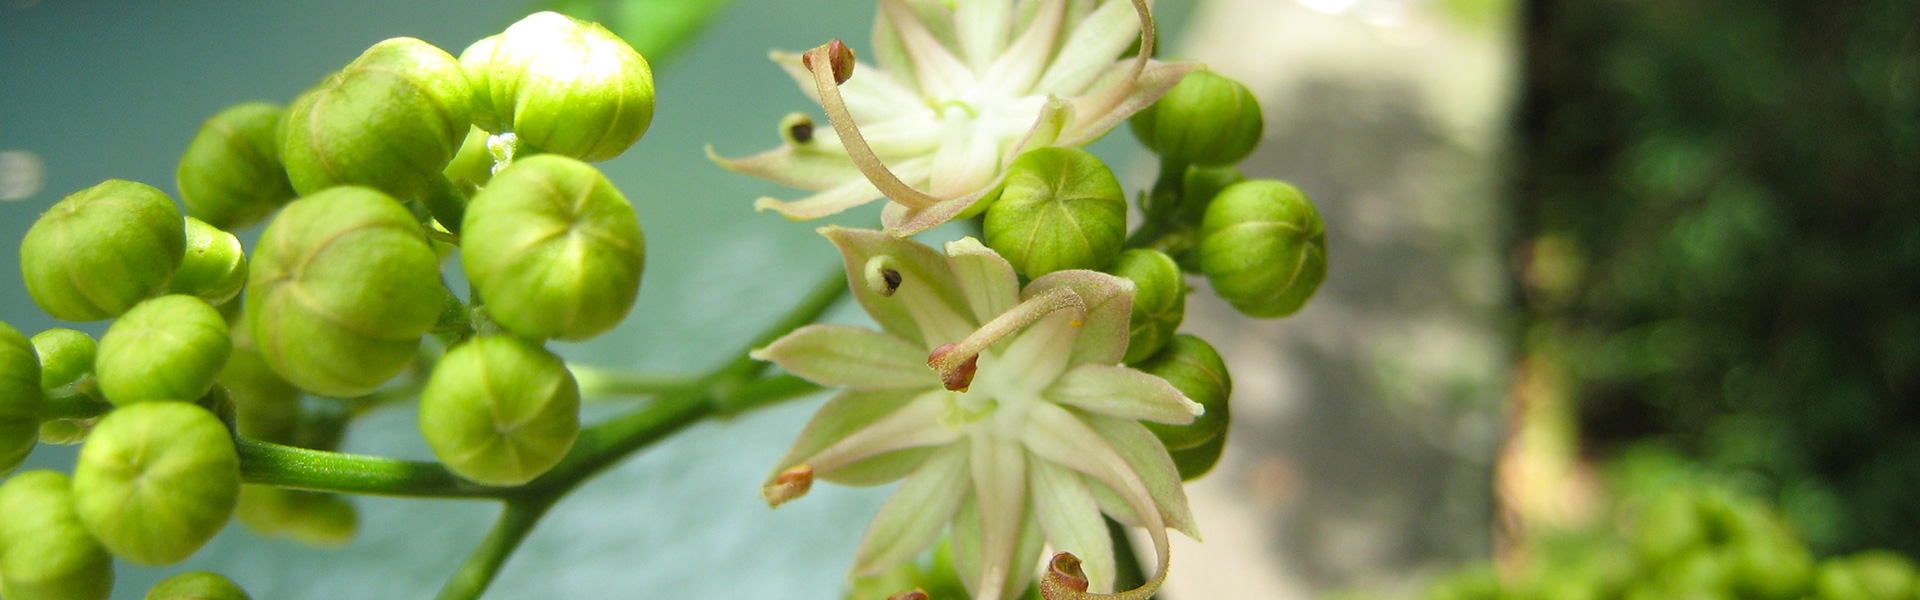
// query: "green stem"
[[601, 382], [610, 441], [446, 204], [1161, 207], [516, 521], [761, 393], [318, 470], [816, 303]]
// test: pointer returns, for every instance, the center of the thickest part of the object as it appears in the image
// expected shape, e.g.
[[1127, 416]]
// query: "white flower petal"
[[1017, 69], [872, 94], [1055, 434], [1109, 299], [903, 221], [964, 163], [1101, 111], [965, 541], [804, 167], [986, 279], [914, 425], [1122, 392], [1150, 461], [916, 513], [1071, 520], [851, 357], [927, 307], [999, 483], [1039, 354], [983, 28], [1091, 46], [940, 74], [828, 202]]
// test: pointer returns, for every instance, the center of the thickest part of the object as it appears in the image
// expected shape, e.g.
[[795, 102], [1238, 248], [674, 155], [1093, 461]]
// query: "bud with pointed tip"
[[1206, 119], [1159, 300], [473, 163], [1060, 209], [1194, 368], [342, 286], [65, 356], [562, 85], [554, 249], [45, 552], [167, 348], [125, 237], [1263, 247], [19, 398], [214, 267], [390, 120], [156, 480], [499, 410], [230, 175], [197, 585]]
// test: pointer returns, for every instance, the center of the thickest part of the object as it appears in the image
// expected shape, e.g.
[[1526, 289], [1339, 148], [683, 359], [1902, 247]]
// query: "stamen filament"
[[955, 361], [820, 62]]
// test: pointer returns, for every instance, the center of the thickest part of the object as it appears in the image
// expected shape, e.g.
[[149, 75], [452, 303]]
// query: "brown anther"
[[957, 377], [1063, 575], [789, 484], [801, 132], [842, 57], [892, 278], [913, 594]]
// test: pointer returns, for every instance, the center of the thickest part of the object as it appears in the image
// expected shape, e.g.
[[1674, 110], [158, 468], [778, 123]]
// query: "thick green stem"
[[516, 521], [446, 203], [318, 470], [1161, 208], [599, 382]]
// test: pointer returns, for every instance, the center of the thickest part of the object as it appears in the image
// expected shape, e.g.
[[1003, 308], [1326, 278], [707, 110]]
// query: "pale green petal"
[[982, 28], [889, 53], [1071, 519], [966, 161], [850, 357], [916, 513], [1148, 458], [1017, 69], [1101, 111], [928, 306], [872, 94], [831, 201], [999, 482], [1109, 299], [1039, 353], [1122, 392], [802, 167], [902, 221], [1091, 46], [940, 73], [880, 468], [857, 425], [1111, 502], [986, 279], [844, 414], [1055, 434]]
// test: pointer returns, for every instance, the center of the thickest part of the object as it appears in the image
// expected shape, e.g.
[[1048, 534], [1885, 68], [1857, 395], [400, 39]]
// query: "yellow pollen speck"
[[1074, 323]]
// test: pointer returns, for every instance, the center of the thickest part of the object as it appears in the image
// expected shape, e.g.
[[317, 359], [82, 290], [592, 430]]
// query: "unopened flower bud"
[[499, 410], [1159, 300], [214, 267], [554, 249], [1060, 209], [1194, 462], [473, 163], [563, 85], [312, 518], [1263, 247], [1207, 119], [65, 356], [45, 553], [196, 585], [342, 286], [101, 250], [19, 398], [230, 175], [1194, 368], [390, 120], [266, 407], [167, 348], [156, 480]]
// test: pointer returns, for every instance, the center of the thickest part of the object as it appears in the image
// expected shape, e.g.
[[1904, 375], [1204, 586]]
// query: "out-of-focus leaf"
[[659, 29]]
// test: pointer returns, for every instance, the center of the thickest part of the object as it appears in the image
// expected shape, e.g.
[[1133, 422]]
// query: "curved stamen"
[[831, 63], [1146, 39], [956, 361]]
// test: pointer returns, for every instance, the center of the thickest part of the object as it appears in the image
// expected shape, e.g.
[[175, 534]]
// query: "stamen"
[[789, 484], [881, 278], [1063, 574], [826, 62], [913, 594], [797, 128], [1146, 39], [956, 361]]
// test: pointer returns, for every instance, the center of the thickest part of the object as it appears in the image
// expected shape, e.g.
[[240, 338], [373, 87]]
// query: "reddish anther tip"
[[841, 57], [1064, 572], [789, 484], [913, 594], [957, 377]]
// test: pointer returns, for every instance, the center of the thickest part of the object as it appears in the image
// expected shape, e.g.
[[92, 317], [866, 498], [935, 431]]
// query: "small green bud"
[[266, 407], [390, 120], [312, 518], [1207, 119], [1263, 247], [197, 585], [65, 432], [214, 267], [554, 249], [45, 553], [473, 163], [231, 174], [156, 480], [167, 348], [1194, 368], [1197, 190], [101, 250], [1199, 460], [65, 356], [1060, 209], [499, 410], [342, 286], [19, 398], [562, 85], [1159, 300]]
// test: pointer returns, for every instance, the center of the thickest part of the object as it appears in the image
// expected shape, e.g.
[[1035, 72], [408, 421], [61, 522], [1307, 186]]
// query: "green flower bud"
[[499, 410], [45, 553], [313, 518], [167, 348], [101, 250], [266, 407], [156, 480], [473, 163], [1159, 300], [65, 432], [1199, 460], [563, 85], [19, 398], [231, 174], [197, 585], [1207, 119], [553, 248], [1060, 209], [1263, 248], [390, 120], [1192, 366], [342, 286], [65, 356], [473, 62], [214, 267], [1197, 190]]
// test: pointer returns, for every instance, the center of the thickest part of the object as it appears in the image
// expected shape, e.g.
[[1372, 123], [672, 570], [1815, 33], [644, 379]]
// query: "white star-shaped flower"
[[960, 89], [1005, 409]]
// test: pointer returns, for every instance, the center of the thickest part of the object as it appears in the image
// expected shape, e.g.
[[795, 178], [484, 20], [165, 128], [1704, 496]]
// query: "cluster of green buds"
[[366, 183]]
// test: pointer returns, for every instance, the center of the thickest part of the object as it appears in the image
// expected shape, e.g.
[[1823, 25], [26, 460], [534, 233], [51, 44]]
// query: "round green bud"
[[342, 286], [101, 250], [553, 248], [1197, 190], [1060, 209], [167, 348], [1207, 119], [391, 120], [266, 407], [231, 174], [1194, 368], [312, 518], [156, 480], [197, 585], [1263, 247], [473, 162], [45, 553], [19, 398], [562, 85], [473, 62], [500, 410], [65, 356], [1159, 300], [214, 267], [1199, 460]]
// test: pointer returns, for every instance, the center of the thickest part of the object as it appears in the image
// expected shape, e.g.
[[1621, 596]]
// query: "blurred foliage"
[[658, 29], [1718, 216]]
